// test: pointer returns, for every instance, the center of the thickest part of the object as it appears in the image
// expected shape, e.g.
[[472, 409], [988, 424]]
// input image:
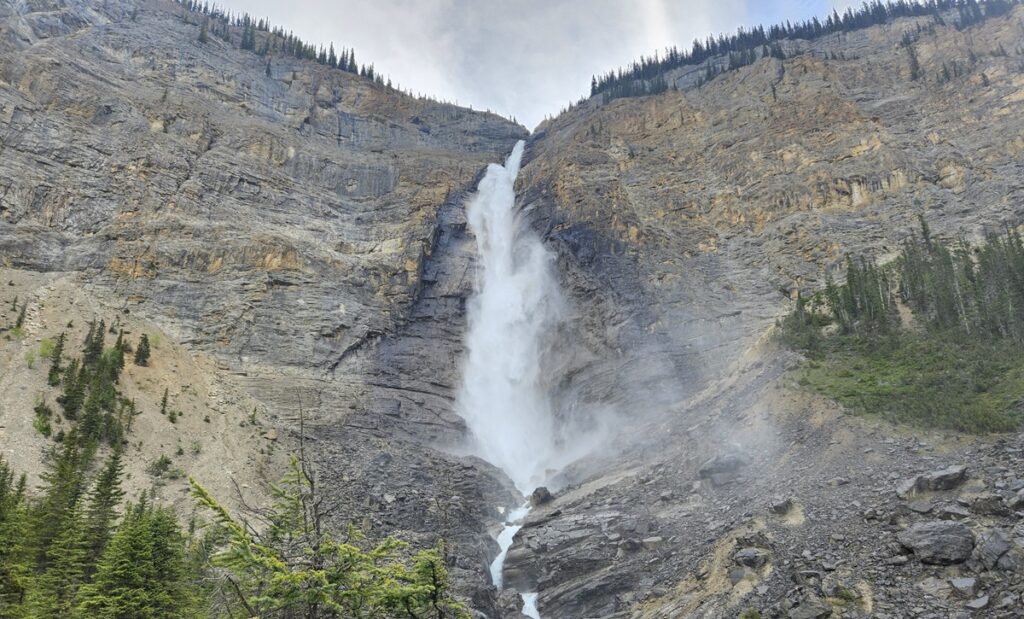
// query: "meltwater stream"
[[516, 306]]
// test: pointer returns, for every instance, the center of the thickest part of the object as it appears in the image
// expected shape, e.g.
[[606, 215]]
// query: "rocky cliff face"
[[299, 233], [271, 215], [684, 222]]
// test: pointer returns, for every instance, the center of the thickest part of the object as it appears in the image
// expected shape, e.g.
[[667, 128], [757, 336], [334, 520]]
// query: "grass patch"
[[924, 380]]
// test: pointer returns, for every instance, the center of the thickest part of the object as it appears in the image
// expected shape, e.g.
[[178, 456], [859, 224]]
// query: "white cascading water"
[[517, 304], [504, 397]]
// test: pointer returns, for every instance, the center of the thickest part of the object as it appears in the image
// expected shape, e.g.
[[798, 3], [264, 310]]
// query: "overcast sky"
[[521, 58]]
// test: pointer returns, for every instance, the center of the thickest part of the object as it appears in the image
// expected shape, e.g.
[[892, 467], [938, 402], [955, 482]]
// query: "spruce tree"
[[142, 351], [53, 376], [92, 349], [63, 483], [102, 507], [71, 400], [142, 571], [16, 557], [53, 593]]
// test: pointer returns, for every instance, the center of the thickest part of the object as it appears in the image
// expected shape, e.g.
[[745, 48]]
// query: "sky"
[[525, 59]]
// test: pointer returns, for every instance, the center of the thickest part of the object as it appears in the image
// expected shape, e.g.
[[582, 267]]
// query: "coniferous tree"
[[53, 593], [142, 571], [297, 564], [104, 500], [16, 557], [71, 400], [92, 349], [142, 351], [53, 376], [63, 483]]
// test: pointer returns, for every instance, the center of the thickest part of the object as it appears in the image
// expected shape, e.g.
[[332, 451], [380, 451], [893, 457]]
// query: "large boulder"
[[944, 479], [939, 542]]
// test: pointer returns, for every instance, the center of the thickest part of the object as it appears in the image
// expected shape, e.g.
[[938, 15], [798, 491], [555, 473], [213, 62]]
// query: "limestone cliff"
[[274, 217], [685, 222]]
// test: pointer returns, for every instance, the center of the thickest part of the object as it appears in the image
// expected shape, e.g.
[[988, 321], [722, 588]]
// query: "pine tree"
[[16, 558], [203, 36], [53, 594], [92, 349], [142, 351], [53, 376], [104, 500], [297, 564], [71, 400], [142, 572], [163, 403], [63, 482]]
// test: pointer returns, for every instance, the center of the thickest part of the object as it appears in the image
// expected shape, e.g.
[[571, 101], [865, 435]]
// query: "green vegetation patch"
[[953, 359], [923, 380]]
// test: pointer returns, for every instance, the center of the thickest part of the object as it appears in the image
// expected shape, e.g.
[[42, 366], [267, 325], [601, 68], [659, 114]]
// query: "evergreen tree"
[[142, 571], [142, 351], [104, 499], [92, 349], [163, 403], [63, 482], [71, 400], [296, 564], [116, 360], [53, 376], [16, 558], [53, 594]]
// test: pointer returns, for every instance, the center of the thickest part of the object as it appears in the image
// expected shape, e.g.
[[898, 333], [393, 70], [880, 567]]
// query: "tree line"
[[260, 37], [746, 46]]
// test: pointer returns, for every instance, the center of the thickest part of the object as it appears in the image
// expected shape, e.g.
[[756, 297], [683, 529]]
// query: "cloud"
[[527, 58]]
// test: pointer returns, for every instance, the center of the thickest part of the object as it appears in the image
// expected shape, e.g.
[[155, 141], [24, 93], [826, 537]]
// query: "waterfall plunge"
[[505, 398]]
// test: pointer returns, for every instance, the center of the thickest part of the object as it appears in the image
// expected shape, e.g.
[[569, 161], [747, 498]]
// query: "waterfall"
[[504, 398], [517, 304]]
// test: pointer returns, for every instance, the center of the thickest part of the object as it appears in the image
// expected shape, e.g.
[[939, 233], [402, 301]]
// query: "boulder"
[[989, 504], [722, 463], [781, 506], [939, 542], [935, 587], [540, 496], [811, 608], [751, 557], [650, 543], [944, 479]]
